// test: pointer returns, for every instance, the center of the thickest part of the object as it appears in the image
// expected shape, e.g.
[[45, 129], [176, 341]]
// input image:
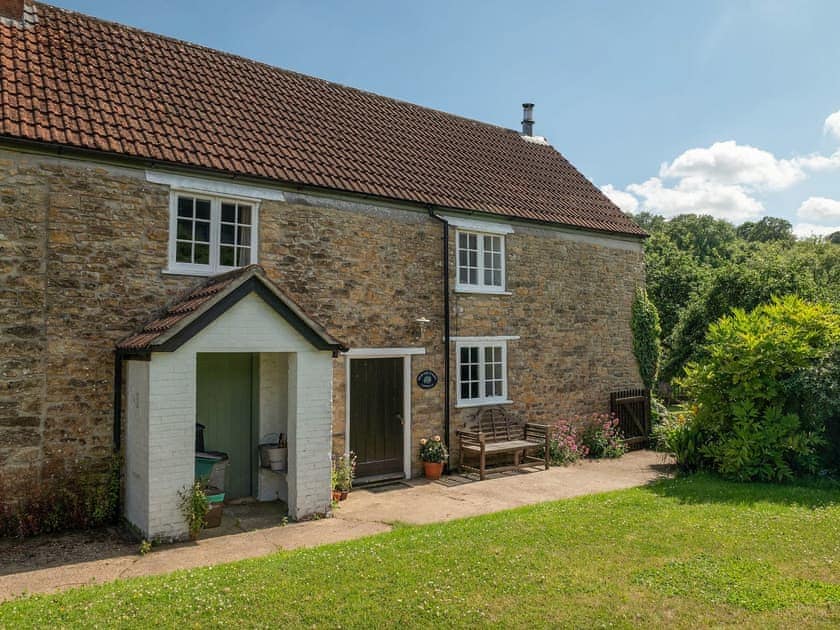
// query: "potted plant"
[[343, 472], [433, 453]]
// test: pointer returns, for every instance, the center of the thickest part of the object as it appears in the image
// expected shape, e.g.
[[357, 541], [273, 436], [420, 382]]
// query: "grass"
[[695, 551]]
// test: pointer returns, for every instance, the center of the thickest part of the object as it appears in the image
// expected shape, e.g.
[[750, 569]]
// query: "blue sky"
[[719, 107]]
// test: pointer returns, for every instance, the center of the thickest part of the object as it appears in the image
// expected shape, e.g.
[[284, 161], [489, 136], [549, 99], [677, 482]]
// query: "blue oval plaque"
[[427, 379]]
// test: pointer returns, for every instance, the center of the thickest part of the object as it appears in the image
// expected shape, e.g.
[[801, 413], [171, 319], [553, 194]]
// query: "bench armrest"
[[471, 437], [537, 432]]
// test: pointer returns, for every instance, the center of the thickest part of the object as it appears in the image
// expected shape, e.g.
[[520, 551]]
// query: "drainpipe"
[[446, 333], [118, 379]]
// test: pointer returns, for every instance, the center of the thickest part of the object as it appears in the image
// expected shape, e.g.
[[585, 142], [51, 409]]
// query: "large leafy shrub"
[[646, 331], [745, 425]]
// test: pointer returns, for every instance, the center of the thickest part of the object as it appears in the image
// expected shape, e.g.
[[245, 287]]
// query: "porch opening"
[[242, 400]]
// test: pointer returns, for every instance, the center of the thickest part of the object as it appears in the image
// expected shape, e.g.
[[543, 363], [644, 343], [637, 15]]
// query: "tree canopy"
[[700, 268]]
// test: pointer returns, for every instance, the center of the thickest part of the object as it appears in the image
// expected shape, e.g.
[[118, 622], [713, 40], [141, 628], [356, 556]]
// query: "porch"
[[241, 359]]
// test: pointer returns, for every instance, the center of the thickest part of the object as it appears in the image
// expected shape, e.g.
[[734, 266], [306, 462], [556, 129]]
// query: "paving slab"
[[364, 513]]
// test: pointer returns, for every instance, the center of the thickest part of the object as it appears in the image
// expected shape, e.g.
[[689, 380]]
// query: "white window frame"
[[481, 343], [480, 287], [216, 200]]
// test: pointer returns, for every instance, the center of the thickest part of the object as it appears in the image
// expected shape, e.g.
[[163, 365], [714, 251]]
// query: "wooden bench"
[[494, 432]]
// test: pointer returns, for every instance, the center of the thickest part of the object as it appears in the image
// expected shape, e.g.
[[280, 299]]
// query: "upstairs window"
[[481, 262], [210, 234]]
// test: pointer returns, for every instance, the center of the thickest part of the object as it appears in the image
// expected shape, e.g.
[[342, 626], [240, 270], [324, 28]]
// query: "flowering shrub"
[[595, 435], [600, 434], [433, 450], [564, 445]]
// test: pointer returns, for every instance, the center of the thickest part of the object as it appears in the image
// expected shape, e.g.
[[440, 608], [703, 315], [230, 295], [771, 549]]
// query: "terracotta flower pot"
[[339, 495], [432, 470]]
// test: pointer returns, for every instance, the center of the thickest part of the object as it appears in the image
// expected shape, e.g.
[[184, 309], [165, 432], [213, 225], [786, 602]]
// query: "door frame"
[[383, 353]]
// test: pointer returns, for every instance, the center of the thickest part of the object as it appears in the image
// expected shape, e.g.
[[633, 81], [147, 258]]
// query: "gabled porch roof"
[[184, 319]]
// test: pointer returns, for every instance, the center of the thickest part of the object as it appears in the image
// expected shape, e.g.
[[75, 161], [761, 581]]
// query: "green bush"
[[679, 435], [745, 426], [814, 394], [646, 332]]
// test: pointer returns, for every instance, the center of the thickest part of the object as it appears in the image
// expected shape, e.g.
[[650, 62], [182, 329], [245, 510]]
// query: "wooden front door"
[[376, 421], [224, 405]]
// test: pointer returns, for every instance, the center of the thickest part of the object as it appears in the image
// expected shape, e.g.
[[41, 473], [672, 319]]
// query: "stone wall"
[[76, 277], [570, 305], [83, 247]]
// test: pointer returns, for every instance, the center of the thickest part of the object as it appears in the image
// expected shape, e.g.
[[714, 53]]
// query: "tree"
[[646, 332], [673, 277], [834, 238], [708, 239], [767, 230], [752, 276], [650, 222]]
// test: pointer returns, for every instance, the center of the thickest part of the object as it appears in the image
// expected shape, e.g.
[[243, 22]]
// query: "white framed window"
[[481, 262], [482, 372], [209, 234]]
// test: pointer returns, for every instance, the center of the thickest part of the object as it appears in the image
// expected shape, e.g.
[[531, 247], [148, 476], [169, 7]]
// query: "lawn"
[[682, 553]]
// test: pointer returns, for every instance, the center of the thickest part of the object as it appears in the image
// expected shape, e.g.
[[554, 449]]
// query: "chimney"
[[527, 118], [12, 9]]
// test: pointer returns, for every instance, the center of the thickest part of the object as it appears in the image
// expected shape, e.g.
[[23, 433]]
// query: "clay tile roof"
[[77, 81], [169, 331]]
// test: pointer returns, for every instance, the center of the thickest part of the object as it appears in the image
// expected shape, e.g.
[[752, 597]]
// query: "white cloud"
[[728, 180], [817, 162], [832, 124], [699, 196], [624, 200], [819, 209], [732, 163], [807, 230]]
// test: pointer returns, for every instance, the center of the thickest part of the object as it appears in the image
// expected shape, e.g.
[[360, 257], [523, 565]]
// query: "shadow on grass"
[[706, 488]]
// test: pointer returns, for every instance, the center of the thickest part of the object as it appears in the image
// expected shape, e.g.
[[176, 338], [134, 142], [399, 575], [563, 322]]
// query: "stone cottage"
[[191, 237]]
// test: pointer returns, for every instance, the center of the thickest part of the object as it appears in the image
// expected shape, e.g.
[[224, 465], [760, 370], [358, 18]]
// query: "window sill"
[[198, 273], [482, 403], [481, 291], [190, 272]]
